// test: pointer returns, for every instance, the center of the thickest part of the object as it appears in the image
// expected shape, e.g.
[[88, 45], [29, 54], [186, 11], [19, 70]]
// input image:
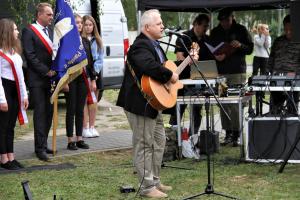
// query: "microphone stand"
[[169, 42], [209, 187]]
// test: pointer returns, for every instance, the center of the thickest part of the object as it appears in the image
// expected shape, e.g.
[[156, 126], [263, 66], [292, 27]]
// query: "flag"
[[68, 56]]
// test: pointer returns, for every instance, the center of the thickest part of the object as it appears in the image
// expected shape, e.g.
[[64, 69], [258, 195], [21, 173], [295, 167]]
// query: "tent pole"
[[211, 14], [139, 16]]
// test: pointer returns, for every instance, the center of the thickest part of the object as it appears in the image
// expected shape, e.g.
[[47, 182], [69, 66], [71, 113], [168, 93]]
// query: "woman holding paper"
[[13, 94]]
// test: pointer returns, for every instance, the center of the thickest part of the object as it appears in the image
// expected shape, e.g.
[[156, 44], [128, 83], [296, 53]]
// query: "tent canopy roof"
[[210, 5]]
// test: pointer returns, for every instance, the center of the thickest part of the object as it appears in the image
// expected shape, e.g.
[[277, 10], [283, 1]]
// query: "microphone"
[[169, 33]]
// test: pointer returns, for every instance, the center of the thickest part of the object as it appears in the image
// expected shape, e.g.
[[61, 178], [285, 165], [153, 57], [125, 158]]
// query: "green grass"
[[99, 176], [25, 129], [111, 95], [249, 59], [171, 55]]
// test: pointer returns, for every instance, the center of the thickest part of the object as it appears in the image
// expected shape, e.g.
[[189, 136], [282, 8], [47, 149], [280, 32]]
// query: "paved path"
[[107, 141]]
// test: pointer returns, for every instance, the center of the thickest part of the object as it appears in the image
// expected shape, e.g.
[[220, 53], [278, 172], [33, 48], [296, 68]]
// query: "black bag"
[[171, 149]]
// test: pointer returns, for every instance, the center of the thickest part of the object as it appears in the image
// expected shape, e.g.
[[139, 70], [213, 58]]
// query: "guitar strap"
[[147, 97]]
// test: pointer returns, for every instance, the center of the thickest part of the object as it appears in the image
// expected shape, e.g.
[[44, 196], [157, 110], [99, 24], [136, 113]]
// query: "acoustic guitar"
[[163, 96]]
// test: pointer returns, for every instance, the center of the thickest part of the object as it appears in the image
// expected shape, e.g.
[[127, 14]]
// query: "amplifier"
[[269, 139]]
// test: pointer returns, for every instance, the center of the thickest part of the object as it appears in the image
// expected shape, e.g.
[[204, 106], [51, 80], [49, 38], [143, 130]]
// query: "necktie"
[[45, 31], [158, 50]]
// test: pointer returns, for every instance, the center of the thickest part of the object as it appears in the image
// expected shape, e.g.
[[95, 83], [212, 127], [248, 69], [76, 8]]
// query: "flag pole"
[[55, 123]]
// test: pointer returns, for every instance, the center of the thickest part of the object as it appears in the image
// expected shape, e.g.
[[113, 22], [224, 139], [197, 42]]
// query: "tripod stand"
[[209, 187], [293, 147]]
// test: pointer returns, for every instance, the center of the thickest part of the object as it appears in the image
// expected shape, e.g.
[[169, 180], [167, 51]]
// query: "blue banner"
[[68, 51]]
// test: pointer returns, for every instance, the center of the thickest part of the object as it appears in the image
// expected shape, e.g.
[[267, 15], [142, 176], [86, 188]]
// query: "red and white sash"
[[91, 96], [42, 36], [22, 116]]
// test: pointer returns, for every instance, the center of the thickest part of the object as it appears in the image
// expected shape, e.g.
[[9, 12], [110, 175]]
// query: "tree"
[[130, 13], [23, 10]]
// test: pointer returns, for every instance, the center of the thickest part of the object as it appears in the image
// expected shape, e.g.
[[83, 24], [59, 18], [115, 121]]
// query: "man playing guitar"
[[145, 59]]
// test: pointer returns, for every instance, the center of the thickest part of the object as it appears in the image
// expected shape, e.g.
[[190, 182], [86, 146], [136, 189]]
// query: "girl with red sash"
[[90, 32], [78, 90], [13, 94]]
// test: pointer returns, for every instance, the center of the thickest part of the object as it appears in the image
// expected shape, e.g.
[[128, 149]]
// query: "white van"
[[114, 33]]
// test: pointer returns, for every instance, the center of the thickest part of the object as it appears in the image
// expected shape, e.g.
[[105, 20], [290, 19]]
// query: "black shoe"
[[42, 156], [9, 166], [235, 144], [50, 151], [72, 146], [81, 144], [227, 141], [17, 163]]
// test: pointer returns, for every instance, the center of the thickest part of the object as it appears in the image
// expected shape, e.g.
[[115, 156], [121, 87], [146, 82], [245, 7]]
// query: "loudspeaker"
[[212, 145], [295, 16], [269, 139]]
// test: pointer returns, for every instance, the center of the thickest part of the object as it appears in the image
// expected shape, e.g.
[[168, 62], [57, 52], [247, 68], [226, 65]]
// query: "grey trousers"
[[232, 109], [149, 141]]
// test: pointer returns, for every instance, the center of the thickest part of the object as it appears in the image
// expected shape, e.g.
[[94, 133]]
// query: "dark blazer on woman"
[[144, 60]]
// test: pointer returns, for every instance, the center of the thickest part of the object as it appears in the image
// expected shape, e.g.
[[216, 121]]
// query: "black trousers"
[[42, 116], [259, 63], [8, 119], [76, 98]]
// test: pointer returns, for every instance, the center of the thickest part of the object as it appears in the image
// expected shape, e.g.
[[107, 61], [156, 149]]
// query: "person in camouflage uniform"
[[284, 58]]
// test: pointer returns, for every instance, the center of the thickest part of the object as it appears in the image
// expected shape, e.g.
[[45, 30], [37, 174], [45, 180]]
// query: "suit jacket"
[[37, 57], [145, 61]]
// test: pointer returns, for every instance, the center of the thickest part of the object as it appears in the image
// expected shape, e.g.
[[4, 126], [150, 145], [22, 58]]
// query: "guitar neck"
[[184, 63]]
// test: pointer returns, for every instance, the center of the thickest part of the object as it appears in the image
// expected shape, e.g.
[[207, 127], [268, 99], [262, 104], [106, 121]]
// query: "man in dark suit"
[[145, 57], [37, 46]]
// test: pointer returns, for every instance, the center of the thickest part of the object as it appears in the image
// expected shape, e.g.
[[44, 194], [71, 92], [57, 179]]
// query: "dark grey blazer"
[[144, 61]]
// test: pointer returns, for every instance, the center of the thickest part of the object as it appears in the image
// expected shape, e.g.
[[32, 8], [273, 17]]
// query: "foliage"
[[273, 18], [184, 19], [130, 13], [23, 9]]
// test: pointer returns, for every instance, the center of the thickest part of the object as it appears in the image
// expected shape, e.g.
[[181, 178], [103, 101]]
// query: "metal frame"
[[192, 100]]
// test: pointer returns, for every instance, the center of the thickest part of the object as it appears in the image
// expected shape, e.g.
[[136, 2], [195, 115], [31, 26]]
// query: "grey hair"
[[147, 17]]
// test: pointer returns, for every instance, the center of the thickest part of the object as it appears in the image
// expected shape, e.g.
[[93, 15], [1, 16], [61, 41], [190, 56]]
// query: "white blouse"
[[262, 44], [6, 73]]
